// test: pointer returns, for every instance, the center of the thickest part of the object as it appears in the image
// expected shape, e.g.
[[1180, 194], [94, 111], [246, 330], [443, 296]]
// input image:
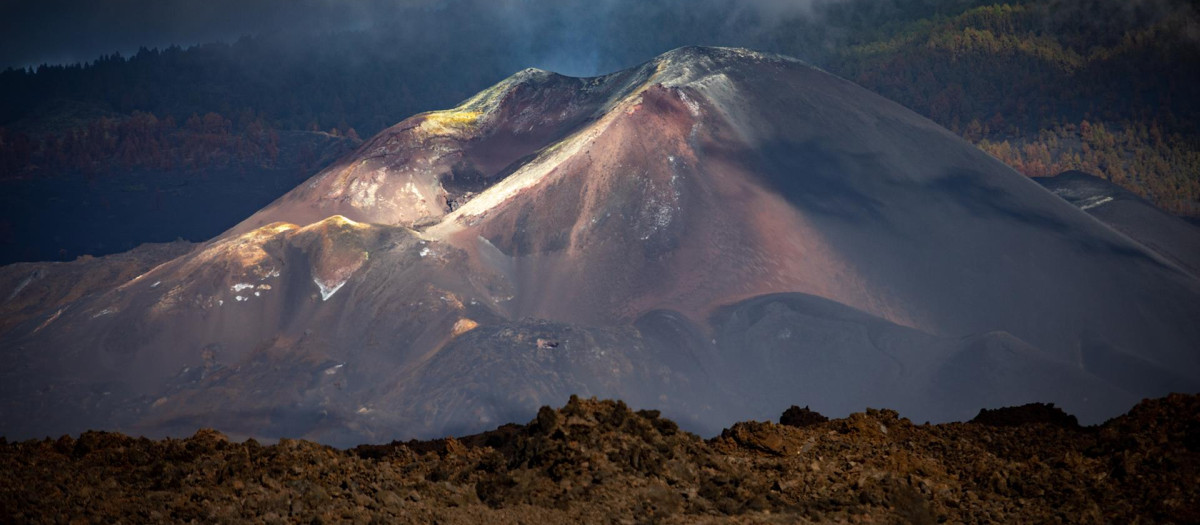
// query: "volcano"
[[717, 233]]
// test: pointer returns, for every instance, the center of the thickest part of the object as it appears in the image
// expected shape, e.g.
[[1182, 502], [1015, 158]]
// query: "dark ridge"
[[1030, 414], [801, 417]]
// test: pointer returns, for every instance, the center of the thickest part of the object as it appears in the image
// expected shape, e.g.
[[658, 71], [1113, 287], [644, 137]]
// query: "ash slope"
[[1172, 237], [714, 233]]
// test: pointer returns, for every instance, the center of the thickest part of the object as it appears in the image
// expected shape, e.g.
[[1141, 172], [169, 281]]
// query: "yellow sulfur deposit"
[[450, 122], [463, 326]]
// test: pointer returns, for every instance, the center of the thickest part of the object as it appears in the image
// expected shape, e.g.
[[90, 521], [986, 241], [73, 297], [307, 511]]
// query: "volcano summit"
[[716, 233]]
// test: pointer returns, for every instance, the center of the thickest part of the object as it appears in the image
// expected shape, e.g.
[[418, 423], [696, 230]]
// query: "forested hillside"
[[1047, 88], [1106, 87]]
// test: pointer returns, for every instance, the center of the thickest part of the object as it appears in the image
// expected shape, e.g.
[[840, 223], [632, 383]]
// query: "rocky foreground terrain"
[[599, 461]]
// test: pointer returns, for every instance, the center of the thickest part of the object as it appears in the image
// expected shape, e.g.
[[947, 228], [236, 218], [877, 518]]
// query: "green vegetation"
[[143, 141], [1106, 86], [1052, 86]]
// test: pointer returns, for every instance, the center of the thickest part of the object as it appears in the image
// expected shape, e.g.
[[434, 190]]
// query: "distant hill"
[[1106, 87], [1173, 238], [715, 233], [115, 186], [1103, 87]]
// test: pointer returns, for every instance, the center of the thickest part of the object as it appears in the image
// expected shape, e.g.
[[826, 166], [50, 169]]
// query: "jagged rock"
[[1029, 414], [801, 417], [600, 461]]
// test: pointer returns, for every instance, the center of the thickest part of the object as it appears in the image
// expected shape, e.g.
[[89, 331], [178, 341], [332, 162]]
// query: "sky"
[[569, 36]]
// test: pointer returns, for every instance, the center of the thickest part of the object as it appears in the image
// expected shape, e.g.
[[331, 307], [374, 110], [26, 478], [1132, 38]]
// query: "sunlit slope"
[[717, 233]]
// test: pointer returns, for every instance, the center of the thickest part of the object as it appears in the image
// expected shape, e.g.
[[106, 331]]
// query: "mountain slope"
[[716, 232], [1173, 238]]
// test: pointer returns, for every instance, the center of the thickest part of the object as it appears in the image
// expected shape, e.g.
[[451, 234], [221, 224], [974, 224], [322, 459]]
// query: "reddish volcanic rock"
[[600, 461], [714, 234]]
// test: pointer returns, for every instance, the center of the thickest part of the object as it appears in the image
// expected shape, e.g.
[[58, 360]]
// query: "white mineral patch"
[[327, 290], [693, 107], [241, 286], [333, 369], [662, 216], [105, 311], [239, 298], [657, 214], [156, 283], [362, 193], [257, 294], [412, 188], [25, 282], [424, 251], [1093, 203]]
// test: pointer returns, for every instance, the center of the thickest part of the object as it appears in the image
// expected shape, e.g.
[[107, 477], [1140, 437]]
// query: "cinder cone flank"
[[718, 233]]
